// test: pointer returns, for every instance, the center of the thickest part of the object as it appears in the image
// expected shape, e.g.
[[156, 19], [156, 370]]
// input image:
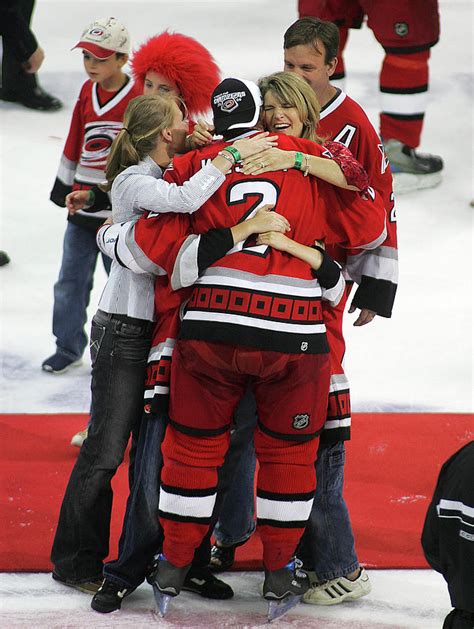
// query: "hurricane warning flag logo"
[[228, 101]]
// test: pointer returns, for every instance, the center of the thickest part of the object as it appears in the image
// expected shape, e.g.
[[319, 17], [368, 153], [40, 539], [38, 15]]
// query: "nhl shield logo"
[[300, 421], [401, 29]]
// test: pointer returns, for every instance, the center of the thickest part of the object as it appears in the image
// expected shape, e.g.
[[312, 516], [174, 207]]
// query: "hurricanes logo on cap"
[[228, 102], [96, 32]]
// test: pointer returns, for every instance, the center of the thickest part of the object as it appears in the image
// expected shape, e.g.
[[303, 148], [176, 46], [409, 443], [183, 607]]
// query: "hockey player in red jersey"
[[272, 305], [407, 30], [310, 49]]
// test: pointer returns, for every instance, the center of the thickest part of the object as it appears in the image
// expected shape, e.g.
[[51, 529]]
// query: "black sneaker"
[[37, 99], [88, 586], [4, 258], [201, 581], [222, 557], [109, 597], [59, 363]]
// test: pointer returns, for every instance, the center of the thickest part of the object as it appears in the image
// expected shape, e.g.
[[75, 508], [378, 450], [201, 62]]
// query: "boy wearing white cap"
[[96, 120]]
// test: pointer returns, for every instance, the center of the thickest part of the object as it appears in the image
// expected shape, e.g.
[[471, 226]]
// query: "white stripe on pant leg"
[[187, 506], [283, 510], [405, 104]]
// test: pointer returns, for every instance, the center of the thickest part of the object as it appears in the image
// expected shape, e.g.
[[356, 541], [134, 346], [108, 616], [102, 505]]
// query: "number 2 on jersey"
[[266, 193]]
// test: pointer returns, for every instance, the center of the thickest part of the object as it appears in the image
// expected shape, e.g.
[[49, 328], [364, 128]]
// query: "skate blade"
[[404, 183], [277, 609], [162, 601]]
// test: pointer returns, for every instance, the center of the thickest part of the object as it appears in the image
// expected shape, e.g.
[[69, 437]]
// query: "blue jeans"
[[119, 352], [327, 546], [236, 512], [73, 288], [141, 534]]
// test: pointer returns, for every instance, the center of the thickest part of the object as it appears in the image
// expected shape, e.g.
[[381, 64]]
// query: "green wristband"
[[298, 161], [91, 198], [234, 152]]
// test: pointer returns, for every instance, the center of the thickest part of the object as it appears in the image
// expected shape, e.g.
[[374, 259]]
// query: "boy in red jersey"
[[96, 120]]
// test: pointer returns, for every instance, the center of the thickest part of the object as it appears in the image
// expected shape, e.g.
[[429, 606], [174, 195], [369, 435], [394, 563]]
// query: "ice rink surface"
[[420, 360]]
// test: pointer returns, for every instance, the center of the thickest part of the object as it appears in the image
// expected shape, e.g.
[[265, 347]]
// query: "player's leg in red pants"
[[291, 407], [207, 382], [404, 95], [345, 14], [406, 29]]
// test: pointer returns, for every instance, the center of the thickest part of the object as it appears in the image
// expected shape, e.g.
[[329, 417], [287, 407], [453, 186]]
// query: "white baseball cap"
[[105, 37]]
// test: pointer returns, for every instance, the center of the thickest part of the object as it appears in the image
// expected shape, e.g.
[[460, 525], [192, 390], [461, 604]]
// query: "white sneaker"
[[338, 590], [79, 438]]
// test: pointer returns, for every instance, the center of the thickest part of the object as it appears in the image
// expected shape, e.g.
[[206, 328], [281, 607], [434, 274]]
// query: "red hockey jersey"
[[96, 120], [376, 272], [259, 296]]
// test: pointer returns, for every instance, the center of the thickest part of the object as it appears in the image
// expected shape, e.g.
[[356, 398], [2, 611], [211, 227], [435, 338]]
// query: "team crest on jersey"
[[228, 101], [401, 29], [98, 138], [301, 421]]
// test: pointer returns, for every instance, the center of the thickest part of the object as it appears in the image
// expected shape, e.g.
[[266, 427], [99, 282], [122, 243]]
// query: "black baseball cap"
[[235, 105]]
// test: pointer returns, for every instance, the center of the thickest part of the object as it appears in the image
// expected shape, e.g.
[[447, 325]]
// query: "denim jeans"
[[236, 521], [73, 288], [119, 352], [327, 546], [141, 534]]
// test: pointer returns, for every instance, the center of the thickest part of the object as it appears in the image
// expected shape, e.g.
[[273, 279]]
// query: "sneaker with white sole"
[[338, 590], [79, 438]]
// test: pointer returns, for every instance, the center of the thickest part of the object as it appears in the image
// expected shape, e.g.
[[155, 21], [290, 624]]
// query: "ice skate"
[[284, 588], [412, 170], [338, 590], [167, 582]]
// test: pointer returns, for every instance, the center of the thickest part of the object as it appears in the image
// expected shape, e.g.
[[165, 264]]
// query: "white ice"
[[411, 599], [420, 360]]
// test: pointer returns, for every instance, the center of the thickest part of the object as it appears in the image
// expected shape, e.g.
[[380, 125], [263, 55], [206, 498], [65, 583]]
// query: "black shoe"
[[4, 259], [201, 581], [35, 99], [222, 557], [89, 586], [109, 597]]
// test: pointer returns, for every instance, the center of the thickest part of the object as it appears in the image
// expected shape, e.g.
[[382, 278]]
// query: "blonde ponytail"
[[145, 118]]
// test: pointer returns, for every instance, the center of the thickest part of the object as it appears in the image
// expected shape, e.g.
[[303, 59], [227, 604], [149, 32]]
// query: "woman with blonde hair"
[[290, 106]]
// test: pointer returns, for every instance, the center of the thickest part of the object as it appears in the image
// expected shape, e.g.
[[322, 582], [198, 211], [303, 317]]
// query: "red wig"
[[183, 61]]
